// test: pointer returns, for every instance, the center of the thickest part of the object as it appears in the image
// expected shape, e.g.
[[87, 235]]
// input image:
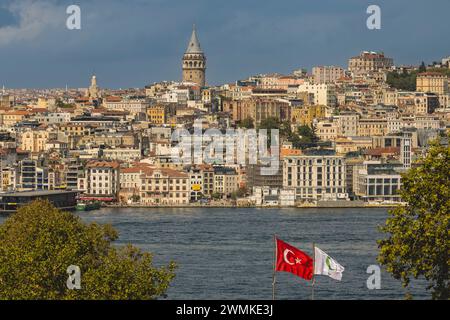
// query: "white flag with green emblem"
[[325, 265]]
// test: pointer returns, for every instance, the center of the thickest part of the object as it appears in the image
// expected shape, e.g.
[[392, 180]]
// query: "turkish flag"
[[292, 260]]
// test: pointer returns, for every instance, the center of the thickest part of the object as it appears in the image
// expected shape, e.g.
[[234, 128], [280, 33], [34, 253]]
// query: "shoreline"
[[356, 206]]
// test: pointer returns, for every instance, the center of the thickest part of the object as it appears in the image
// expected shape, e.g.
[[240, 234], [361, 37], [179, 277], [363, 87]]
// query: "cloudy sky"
[[135, 42]]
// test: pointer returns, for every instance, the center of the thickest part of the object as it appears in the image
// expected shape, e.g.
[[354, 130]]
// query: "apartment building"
[[369, 62], [368, 127], [306, 114], [256, 178], [257, 109], [327, 130], [13, 117], [226, 181], [133, 106], [33, 175], [164, 186], [347, 124], [432, 82], [34, 140], [157, 114], [122, 154], [316, 176], [324, 94], [327, 74], [103, 179], [8, 178]]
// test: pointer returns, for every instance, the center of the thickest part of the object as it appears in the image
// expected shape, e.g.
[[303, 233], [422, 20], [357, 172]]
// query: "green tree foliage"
[[403, 81], [241, 192], [247, 123], [422, 67], [407, 81], [444, 71], [418, 242], [39, 243], [60, 104], [270, 123], [217, 196], [306, 137]]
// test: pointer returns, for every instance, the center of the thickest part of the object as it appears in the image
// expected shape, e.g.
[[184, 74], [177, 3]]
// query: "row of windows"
[[164, 188], [171, 195], [100, 185]]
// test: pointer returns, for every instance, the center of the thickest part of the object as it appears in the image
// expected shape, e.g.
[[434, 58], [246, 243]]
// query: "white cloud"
[[35, 18]]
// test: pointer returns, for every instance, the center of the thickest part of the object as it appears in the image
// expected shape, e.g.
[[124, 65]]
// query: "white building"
[[377, 182], [103, 179], [316, 177]]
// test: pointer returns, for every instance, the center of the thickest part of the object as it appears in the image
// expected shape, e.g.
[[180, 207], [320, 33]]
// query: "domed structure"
[[194, 62]]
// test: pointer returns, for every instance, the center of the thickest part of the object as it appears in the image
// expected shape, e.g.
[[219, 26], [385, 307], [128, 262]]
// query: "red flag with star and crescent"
[[293, 260]]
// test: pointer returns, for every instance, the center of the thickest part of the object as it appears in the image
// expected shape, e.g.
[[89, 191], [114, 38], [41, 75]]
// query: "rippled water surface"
[[228, 253]]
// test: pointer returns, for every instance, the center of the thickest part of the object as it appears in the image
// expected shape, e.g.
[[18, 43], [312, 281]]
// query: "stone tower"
[[93, 91], [194, 62]]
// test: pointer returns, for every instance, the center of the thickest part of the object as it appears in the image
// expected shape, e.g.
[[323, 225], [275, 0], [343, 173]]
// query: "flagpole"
[[314, 276], [274, 266]]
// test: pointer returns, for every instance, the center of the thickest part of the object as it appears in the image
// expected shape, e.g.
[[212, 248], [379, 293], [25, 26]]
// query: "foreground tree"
[[39, 243], [418, 243]]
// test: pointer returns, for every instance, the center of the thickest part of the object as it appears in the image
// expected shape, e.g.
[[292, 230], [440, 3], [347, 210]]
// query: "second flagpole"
[[274, 266], [314, 267]]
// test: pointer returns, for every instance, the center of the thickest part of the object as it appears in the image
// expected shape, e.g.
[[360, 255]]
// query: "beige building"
[[347, 124], [10, 118], [34, 141], [163, 186], [433, 82], [369, 62], [132, 106], [257, 109], [368, 127], [226, 181], [327, 74], [324, 94], [8, 179], [93, 91], [326, 130]]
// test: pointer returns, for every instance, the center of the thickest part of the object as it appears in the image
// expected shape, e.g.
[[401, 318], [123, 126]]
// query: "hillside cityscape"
[[344, 136]]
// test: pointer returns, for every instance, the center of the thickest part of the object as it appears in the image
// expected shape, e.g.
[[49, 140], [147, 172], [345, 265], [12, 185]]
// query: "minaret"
[[194, 61]]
